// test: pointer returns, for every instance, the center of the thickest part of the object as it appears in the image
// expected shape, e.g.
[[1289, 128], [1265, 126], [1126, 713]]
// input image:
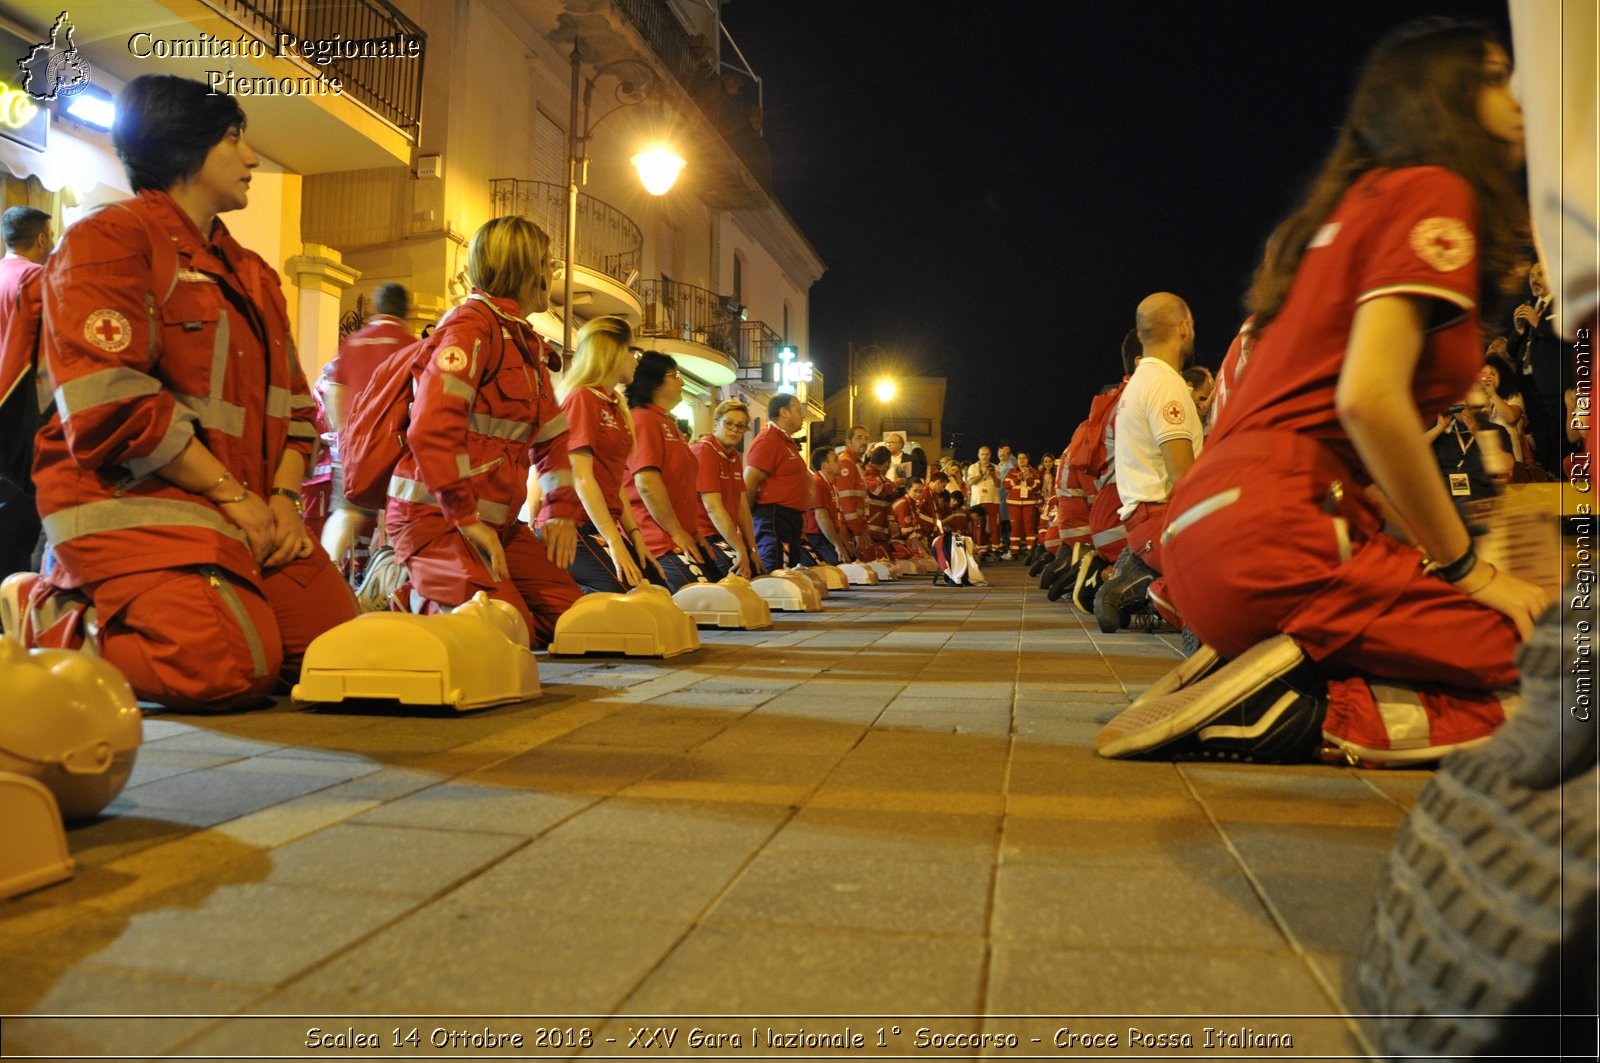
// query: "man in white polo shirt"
[[1158, 435]]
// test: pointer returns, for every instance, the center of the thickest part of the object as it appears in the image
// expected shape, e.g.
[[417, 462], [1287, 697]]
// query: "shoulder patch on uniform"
[[108, 330], [1446, 244], [1173, 412], [451, 359], [1324, 236]]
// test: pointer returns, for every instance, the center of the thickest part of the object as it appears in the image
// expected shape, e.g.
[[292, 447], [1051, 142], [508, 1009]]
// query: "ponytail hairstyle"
[[1414, 104], [601, 346]]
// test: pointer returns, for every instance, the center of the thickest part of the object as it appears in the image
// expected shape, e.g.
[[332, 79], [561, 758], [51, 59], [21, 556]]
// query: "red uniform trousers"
[[446, 570], [1259, 543], [1144, 527], [1105, 527], [200, 638], [1024, 524]]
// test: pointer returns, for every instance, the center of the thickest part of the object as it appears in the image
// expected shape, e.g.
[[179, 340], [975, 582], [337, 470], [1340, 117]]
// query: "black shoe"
[[1063, 561], [1065, 578], [1087, 581], [1107, 613], [1267, 705], [1124, 594]]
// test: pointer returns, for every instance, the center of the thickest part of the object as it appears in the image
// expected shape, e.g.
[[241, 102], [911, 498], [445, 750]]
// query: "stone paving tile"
[[947, 720], [293, 819], [691, 825], [155, 763], [720, 970], [388, 860], [896, 836], [567, 767], [1325, 911], [602, 878], [95, 991], [1120, 907], [203, 741], [760, 778], [1296, 847], [384, 785], [1208, 984], [862, 893], [1187, 844], [225, 936], [774, 733], [491, 809], [656, 727], [1309, 794], [456, 958], [212, 795]]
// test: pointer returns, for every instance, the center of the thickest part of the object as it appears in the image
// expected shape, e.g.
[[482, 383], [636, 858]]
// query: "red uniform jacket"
[[1022, 487], [878, 489], [139, 373], [826, 498], [20, 296], [476, 430], [361, 352], [851, 487]]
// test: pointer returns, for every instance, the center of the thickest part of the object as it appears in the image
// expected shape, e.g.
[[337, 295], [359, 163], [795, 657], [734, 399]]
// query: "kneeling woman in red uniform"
[[663, 471], [611, 548], [1366, 327], [169, 476], [485, 411]]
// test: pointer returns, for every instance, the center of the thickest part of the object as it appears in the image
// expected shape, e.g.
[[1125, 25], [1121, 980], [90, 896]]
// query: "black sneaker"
[[1063, 561], [1123, 594], [1040, 562], [1260, 705]]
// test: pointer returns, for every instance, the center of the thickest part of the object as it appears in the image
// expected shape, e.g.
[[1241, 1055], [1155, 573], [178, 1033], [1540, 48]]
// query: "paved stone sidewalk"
[[887, 810]]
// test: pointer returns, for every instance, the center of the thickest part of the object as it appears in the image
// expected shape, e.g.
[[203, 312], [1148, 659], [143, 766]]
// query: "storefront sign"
[[790, 370]]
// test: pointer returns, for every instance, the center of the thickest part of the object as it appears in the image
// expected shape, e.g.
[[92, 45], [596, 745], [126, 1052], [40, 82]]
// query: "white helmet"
[[69, 720]]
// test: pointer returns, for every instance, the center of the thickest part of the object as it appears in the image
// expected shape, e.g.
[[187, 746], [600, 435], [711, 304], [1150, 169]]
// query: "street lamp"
[[850, 377], [884, 389], [658, 164]]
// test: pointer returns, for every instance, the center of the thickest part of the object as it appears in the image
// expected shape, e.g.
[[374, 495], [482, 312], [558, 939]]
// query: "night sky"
[[994, 188]]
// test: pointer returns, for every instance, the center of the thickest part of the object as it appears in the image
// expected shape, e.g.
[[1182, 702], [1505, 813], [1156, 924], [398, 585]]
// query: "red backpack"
[[1087, 452], [373, 436]]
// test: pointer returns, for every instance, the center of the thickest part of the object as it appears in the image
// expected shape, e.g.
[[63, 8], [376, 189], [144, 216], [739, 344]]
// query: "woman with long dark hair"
[[1366, 326], [661, 475]]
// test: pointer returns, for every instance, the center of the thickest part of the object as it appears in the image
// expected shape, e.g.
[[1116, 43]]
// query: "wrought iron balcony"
[[391, 86], [608, 240], [758, 345], [686, 312]]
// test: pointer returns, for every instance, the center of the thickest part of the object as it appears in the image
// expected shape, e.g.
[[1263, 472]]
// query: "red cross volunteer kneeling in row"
[[168, 477]]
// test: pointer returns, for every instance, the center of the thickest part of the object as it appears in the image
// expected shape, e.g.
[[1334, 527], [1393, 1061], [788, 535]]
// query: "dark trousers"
[[778, 528], [19, 530], [592, 569], [823, 548]]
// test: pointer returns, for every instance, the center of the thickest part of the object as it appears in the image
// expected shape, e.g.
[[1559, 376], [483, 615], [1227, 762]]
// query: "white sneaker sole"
[[1151, 723]]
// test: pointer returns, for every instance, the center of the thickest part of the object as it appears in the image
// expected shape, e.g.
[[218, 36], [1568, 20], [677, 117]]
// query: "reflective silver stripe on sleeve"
[[1077, 530], [463, 465], [107, 385], [553, 428], [302, 430], [408, 490], [177, 436], [216, 414], [1199, 511], [277, 401], [550, 481], [123, 514], [1111, 535], [302, 402], [499, 427], [1074, 492], [457, 388]]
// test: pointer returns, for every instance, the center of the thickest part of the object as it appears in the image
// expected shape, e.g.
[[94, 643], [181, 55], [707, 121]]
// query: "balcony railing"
[[686, 312], [389, 84], [758, 345], [693, 62], [608, 240]]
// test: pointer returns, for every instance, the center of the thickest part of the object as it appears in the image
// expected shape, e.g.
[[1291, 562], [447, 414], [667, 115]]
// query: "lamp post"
[[658, 164]]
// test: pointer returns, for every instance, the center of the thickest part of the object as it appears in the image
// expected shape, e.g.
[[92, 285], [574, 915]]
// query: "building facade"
[[467, 114]]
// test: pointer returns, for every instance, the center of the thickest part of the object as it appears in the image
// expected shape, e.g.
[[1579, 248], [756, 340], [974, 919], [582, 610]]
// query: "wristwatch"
[[293, 496]]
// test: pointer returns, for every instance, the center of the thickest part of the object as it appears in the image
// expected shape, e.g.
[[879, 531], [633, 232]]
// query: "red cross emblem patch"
[[1173, 412], [1446, 244], [108, 330]]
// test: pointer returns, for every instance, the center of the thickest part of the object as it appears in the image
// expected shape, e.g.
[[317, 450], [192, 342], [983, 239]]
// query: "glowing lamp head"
[[884, 389], [658, 168]]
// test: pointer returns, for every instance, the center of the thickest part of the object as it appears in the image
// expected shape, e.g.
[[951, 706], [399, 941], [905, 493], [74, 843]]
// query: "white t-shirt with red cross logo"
[[1156, 407]]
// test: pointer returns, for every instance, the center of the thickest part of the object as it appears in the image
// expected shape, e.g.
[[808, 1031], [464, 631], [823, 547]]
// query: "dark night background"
[[994, 188]]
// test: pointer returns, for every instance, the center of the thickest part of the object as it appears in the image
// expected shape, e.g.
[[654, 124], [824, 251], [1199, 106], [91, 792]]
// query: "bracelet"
[[1493, 572], [292, 495], [1458, 569], [240, 497], [224, 478]]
